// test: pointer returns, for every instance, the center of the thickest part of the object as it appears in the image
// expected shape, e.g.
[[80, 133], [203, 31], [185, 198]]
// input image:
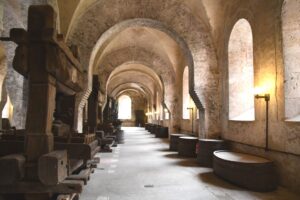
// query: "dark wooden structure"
[[245, 170], [206, 148], [162, 132], [187, 146], [174, 139], [41, 163], [93, 115]]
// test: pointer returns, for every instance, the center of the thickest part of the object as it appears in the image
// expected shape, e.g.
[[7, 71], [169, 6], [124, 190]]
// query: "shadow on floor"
[[164, 150], [188, 162], [164, 140], [173, 156], [212, 179]]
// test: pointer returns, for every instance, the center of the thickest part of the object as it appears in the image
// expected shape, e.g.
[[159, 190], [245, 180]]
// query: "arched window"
[[185, 94], [124, 111], [240, 72], [7, 111], [158, 109], [291, 58]]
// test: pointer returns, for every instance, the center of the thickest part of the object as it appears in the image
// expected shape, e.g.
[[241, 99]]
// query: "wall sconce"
[[267, 99], [192, 109], [265, 96], [148, 113]]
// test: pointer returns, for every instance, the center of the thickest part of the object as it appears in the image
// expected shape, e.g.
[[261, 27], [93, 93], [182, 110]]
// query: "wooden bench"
[[187, 146], [206, 148], [245, 170]]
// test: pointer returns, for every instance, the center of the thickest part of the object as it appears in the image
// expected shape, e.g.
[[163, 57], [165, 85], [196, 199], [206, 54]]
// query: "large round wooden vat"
[[245, 170], [187, 146]]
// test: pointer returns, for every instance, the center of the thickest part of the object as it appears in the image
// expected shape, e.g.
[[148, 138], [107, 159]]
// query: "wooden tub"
[[206, 148], [245, 170], [187, 146]]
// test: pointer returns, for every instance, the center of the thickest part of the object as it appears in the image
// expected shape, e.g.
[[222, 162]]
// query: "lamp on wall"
[[192, 109], [266, 97]]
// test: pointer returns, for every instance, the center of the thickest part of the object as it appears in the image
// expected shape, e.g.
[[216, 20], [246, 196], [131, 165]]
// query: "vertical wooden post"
[[42, 89], [93, 105]]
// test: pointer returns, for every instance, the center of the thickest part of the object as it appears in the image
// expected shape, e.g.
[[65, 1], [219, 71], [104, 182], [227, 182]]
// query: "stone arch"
[[124, 78], [121, 76], [133, 86], [138, 56], [138, 86], [171, 15], [140, 83]]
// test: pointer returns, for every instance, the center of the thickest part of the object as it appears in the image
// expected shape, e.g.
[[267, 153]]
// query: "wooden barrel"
[[162, 132], [245, 170], [147, 126], [120, 136], [206, 148], [151, 128], [156, 129], [174, 138], [187, 146]]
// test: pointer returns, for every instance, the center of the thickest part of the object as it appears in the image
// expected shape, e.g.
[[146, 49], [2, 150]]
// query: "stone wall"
[[15, 16], [265, 19], [291, 57]]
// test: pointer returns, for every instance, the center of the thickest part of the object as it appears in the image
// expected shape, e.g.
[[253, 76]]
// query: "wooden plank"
[[75, 151], [83, 175], [75, 165], [66, 187], [93, 163]]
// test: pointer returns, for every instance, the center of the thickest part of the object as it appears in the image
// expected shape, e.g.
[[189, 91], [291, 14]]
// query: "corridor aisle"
[[144, 169]]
